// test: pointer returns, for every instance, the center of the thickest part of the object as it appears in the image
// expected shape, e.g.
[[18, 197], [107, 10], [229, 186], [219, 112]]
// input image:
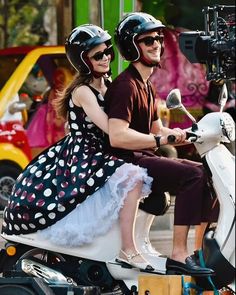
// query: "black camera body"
[[216, 46]]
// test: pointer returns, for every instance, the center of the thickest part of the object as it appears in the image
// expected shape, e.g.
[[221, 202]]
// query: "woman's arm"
[[85, 98]]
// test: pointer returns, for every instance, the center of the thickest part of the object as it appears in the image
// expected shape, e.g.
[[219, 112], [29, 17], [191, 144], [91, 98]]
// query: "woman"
[[65, 192]]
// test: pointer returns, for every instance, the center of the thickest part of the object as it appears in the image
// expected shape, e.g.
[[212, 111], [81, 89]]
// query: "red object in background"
[[14, 133], [177, 72]]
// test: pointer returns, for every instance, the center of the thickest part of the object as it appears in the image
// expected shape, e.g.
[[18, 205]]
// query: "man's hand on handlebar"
[[174, 136]]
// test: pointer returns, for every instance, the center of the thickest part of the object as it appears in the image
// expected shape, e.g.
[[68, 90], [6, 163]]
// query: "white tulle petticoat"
[[98, 212]]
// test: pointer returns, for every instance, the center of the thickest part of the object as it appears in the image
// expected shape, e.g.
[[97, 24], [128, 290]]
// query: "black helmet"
[[129, 27], [82, 39]]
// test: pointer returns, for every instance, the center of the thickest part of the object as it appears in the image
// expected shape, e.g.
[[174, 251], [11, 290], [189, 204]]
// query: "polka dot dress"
[[61, 177]]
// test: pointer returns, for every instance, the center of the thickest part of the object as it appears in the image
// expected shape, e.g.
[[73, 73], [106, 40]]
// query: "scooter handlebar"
[[171, 138], [191, 137]]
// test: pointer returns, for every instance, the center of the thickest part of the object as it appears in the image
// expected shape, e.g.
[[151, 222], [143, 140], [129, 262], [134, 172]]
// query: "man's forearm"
[[131, 139]]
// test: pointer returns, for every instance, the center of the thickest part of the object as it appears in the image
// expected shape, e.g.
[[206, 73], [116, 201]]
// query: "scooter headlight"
[[228, 126]]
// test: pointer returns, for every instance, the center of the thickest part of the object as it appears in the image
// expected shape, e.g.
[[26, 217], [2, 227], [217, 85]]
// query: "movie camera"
[[216, 46]]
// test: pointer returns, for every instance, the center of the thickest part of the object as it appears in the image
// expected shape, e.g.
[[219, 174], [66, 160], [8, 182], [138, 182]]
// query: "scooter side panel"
[[103, 248], [222, 165]]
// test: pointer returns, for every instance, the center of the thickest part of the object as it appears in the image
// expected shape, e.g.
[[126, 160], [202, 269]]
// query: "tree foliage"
[[181, 13], [22, 22]]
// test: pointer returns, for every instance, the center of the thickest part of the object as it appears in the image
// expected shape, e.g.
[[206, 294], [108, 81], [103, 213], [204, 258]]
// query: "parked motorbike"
[[95, 264]]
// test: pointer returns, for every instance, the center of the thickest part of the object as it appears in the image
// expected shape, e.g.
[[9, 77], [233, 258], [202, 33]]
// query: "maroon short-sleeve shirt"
[[128, 99]]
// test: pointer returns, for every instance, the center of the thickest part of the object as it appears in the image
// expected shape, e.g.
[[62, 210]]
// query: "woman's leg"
[[127, 221], [127, 217], [129, 252]]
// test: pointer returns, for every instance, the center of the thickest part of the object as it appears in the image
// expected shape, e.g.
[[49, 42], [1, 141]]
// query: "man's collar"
[[137, 75]]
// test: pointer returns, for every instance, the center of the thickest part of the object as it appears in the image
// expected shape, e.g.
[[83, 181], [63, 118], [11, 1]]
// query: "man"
[[135, 131]]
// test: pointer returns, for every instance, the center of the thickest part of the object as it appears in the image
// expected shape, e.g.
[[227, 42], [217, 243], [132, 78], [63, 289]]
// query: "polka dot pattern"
[[60, 178]]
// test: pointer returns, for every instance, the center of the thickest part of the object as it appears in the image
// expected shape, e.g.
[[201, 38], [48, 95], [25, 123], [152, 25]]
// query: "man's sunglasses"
[[99, 55], [149, 41]]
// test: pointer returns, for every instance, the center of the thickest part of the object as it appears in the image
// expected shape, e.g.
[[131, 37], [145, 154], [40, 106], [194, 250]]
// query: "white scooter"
[[95, 264], [208, 136]]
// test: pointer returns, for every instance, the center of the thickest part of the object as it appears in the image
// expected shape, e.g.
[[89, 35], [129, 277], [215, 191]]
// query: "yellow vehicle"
[[29, 78]]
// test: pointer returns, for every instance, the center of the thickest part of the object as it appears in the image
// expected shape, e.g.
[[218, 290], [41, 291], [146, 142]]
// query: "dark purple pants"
[[187, 181]]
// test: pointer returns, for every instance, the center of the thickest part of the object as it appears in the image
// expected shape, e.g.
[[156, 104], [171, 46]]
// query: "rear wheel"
[[15, 290], [8, 176]]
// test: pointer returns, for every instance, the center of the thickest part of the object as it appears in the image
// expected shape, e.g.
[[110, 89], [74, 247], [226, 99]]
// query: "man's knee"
[[194, 172]]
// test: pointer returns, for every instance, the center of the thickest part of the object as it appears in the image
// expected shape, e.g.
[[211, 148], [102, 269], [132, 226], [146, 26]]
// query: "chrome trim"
[[48, 274]]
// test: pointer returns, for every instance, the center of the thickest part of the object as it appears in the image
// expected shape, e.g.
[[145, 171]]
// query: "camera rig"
[[216, 46]]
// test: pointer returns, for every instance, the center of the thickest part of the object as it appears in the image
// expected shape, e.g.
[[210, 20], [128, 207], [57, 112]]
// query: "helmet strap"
[[95, 73], [99, 74], [145, 61], [91, 69]]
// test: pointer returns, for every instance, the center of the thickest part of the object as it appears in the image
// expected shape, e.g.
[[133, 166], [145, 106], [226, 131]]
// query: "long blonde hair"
[[61, 103]]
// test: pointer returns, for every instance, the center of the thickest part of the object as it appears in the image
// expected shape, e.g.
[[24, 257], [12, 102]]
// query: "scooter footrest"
[[123, 264], [173, 272]]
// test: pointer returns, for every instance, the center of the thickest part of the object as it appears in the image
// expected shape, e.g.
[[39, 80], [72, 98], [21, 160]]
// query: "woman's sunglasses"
[[99, 55], [149, 41]]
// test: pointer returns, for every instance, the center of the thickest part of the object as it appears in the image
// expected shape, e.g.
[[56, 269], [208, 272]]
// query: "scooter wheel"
[[15, 290]]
